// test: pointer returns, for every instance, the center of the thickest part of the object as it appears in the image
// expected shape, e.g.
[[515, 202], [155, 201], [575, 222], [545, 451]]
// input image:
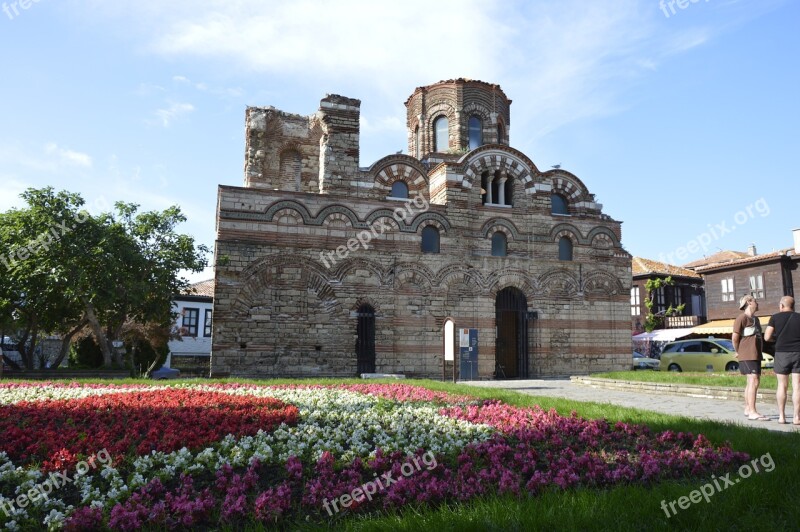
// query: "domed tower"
[[456, 116]]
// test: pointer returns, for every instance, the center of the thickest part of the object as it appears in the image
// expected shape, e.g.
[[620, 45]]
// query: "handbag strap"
[[785, 325]]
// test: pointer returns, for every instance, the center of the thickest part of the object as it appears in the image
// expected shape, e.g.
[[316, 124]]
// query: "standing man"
[[785, 326], [747, 343]]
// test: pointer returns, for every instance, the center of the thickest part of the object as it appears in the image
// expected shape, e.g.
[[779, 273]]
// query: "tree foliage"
[[654, 320], [65, 269]]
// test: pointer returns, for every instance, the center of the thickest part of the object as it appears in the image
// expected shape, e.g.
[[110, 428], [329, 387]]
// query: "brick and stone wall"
[[295, 264]]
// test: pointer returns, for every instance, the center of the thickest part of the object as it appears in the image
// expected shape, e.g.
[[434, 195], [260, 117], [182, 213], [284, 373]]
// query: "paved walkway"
[[701, 408]]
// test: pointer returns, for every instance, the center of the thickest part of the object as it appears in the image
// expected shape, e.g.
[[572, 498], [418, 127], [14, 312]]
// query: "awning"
[[664, 335], [724, 326]]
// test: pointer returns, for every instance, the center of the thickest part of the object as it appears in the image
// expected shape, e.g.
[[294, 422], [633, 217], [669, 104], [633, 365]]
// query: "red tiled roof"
[[716, 258], [201, 288], [747, 260], [640, 266]]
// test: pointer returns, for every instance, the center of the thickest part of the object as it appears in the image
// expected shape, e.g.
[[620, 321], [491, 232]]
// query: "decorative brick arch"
[[569, 231], [337, 219], [413, 273], [259, 277], [280, 206], [500, 224], [351, 264], [404, 168], [387, 215], [476, 109], [341, 210], [601, 283], [288, 217], [457, 273], [493, 157], [366, 300], [518, 279], [429, 218], [602, 235], [567, 185], [440, 108], [558, 282]]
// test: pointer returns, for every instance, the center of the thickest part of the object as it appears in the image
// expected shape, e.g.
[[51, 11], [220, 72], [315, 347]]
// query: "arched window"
[[290, 165], [399, 190], [499, 244], [501, 134], [509, 191], [564, 248], [475, 132], [558, 204], [430, 240], [442, 140], [417, 143]]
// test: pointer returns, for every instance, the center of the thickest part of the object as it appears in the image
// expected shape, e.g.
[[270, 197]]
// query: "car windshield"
[[727, 344]]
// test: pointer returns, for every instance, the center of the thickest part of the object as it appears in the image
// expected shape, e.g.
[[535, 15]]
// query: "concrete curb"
[[686, 390]]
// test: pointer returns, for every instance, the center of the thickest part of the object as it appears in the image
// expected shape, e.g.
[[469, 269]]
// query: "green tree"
[[653, 320], [97, 271]]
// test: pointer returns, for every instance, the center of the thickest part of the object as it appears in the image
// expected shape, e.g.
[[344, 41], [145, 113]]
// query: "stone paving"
[[701, 408]]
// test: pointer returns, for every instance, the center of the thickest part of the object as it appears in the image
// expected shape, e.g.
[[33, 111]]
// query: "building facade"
[[190, 352], [766, 276], [686, 289], [325, 268]]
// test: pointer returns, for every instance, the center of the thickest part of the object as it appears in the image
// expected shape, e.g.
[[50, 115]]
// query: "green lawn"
[[728, 379], [764, 501]]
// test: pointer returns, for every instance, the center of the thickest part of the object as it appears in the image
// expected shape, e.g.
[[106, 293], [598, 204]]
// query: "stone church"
[[326, 268]]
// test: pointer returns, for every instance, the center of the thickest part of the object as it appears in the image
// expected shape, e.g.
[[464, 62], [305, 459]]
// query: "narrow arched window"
[[558, 204], [442, 140], [501, 134], [499, 244], [430, 240], [475, 132], [399, 190], [417, 143], [509, 191], [564, 248]]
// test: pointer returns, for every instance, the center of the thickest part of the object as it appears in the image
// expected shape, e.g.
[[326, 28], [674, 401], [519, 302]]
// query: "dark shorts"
[[750, 367], [787, 362]]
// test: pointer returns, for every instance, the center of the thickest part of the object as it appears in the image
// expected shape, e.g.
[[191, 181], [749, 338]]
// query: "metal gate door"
[[365, 339], [511, 348]]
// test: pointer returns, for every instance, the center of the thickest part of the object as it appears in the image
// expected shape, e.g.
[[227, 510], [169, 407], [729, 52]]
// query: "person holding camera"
[[748, 345]]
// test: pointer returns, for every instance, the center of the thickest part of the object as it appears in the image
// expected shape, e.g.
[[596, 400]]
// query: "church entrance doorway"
[[365, 339], [511, 344]]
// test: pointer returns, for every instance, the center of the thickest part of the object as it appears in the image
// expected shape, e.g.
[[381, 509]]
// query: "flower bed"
[[233, 454]]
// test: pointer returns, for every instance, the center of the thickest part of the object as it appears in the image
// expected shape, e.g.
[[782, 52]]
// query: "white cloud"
[[67, 156], [165, 117], [561, 60]]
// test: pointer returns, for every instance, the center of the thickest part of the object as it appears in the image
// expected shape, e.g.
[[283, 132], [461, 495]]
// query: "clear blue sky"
[[677, 121]]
